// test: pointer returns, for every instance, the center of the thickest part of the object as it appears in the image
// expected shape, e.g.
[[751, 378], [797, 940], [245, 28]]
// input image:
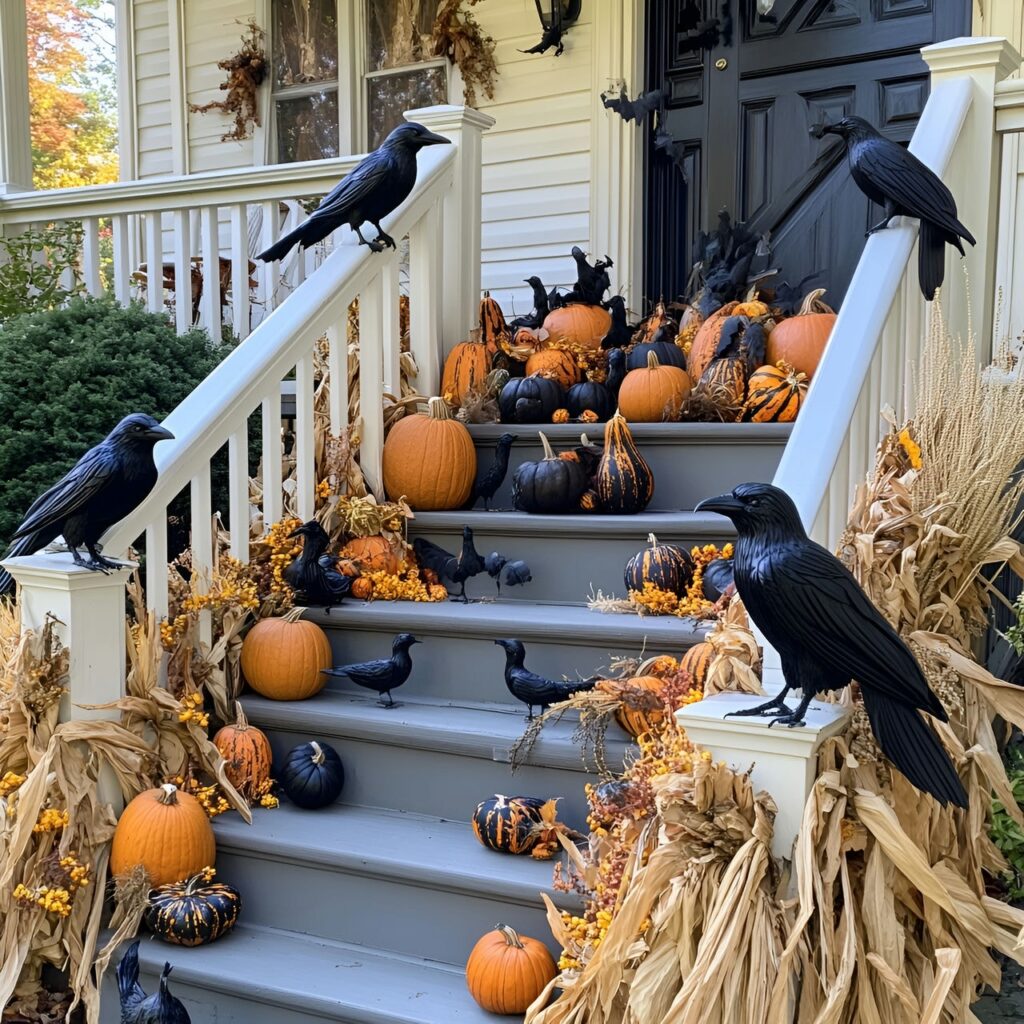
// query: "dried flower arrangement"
[[458, 36], [246, 70]]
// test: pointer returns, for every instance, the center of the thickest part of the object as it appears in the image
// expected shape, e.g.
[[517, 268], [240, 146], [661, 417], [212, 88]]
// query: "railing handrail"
[[814, 446], [220, 404], [248, 185]]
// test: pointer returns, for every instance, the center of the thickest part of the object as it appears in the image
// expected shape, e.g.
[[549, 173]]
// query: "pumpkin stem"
[[652, 361], [318, 753], [241, 722], [549, 452], [169, 797], [813, 303], [438, 409], [294, 615], [511, 935], [652, 540]]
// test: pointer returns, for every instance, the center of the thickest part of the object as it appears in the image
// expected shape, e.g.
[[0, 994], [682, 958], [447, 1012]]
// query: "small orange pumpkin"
[[705, 343], [362, 588], [697, 661], [167, 832], [506, 972], [637, 720], [578, 324], [465, 369], [800, 340], [775, 394], [654, 393], [560, 416], [589, 502], [429, 460], [284, 658], [246, 753], [372, 554], [555, 363]]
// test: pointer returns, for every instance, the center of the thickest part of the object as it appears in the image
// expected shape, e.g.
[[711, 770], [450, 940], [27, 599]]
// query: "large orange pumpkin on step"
[[774, 394], [800, 340], [555, 363], [705, 343], [637, 720], [506, 972], [284, 658], [246, 753], [465, 368], [578, 324], [167, 832], [430, 460], [654, 393], [372, 554], [697, 661]]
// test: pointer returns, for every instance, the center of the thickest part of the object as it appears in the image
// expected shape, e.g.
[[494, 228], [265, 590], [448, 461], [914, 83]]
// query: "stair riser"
[[684, 473], [565, 568], [441, 784], [384, 914]]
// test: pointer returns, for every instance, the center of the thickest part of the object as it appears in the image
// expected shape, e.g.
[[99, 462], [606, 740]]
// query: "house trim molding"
[[127, 124], [179, 105]]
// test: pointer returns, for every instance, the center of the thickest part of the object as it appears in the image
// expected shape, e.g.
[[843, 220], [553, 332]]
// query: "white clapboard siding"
[[152, 88]]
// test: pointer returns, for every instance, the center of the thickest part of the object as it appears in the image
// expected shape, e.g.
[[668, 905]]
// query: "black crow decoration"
[[384, 675], [531, 689], [620, 334], [638, 109], [896, 180], [554, 25], [313, 575], [136, 1006], [491, 476], [453, 568], [536, 317], [106, 483], [592, 281], [517, 573], [377, 186], [828, 633]]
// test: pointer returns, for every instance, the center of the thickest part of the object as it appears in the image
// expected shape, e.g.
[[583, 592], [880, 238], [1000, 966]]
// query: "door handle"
[[721, 64]]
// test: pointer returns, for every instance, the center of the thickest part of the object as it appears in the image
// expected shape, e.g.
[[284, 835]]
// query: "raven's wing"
[[815, 603], [900, 176], [360, 182], [540, 690], [96, 469]]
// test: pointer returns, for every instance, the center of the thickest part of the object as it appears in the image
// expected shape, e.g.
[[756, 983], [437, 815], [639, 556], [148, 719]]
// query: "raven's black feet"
[[791, 719], [776, 704], [387, 706], [375, 246], [383, 236]]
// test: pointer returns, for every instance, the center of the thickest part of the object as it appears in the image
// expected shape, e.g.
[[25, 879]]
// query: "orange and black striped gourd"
[[624, 481], [775, 394], [246, 753], [511, 824], [697, 661], [493, 328], [194, 912], [465, 369], [667, 566]]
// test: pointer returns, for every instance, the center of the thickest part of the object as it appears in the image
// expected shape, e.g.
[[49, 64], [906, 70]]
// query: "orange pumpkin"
[[506, 972], [560, 416], [775, 394], [493, 329], [362, 588], [465, 369], [372, 554], [705, 343], [637, 720], [660, 324], [246, 753], [429, 460], [167, 832], [555, 363], [654, 393], [697, 661], [578, 324], [284, 658], [752, 309], [800, 340]]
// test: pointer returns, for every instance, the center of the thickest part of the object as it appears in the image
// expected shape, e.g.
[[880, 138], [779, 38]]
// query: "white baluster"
[[210, 309], [425, 299], [839, 496], [182, 271], [238, 485], [202, 544], [122, 267], [391, 329], [272, 457], [240, 271], [154, 263], [337, 368], [270, 273], [371, 405], [305, 438], [91, 256], [156, 566]]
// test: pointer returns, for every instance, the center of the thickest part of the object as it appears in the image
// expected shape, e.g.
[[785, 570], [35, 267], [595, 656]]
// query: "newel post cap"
[[972, 53], [450, 116], [57, 570]]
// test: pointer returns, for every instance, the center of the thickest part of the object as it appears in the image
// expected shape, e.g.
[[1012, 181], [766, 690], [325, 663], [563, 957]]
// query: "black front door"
[[740, 114]]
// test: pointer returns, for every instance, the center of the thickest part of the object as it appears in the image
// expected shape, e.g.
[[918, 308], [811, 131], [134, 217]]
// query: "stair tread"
[[388, 844], [474, 730], [333, 980], [673, 433], [667, 523]]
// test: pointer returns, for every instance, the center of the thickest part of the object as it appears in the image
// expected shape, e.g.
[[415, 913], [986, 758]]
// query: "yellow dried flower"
[[10, 782]]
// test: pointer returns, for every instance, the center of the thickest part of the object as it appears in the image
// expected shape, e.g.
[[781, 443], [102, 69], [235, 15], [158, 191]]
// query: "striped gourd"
[[624, 482], [193, 912], [697, 661], [511, 824], [246, 753], [775, 394], [635, 716], [464, 370]]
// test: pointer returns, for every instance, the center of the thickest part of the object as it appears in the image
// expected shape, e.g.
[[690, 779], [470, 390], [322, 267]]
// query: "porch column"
[[15, 141]]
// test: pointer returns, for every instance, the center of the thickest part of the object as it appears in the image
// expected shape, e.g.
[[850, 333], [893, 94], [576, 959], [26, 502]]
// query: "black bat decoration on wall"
[[555, 25], [675, 151], [638, 109]]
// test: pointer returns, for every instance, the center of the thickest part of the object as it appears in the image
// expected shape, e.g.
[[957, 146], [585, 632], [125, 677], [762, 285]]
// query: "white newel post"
[[15, 142], [460, 216]]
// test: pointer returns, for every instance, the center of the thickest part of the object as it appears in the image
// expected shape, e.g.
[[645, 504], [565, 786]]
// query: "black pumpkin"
[[668, 353], [193, 912], [624, 482], [590, 394], [667, 566], [717, 578], [509, 824], [530, 399], [312, 775], [552, 486]]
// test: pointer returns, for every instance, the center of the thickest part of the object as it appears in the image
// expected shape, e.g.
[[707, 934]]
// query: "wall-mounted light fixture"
[[556, 17]]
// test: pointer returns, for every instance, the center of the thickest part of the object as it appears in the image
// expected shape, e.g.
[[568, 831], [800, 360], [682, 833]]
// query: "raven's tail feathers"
[[128, 975], [24, 546], [931, 258], [913, 748], [283, 246]]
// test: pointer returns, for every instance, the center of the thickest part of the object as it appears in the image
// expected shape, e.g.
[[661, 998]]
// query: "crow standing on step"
[[534, 690], [313, 575], [106, 483], [377, 186], [454, 568], [136, 1006], [490, 478], [895, 179], [829, 634], [384, 675]]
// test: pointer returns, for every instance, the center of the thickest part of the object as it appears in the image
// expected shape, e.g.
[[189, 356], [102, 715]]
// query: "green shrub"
[[68, 375], [39, 268], [1005, 832]]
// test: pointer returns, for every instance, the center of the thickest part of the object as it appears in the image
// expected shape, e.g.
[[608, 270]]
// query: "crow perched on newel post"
[[828, 633], [895, 179], [106, 483], [377, 186]]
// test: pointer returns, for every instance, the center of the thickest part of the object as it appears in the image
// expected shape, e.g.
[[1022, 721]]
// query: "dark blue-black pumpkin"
[[551, 486], [530, 400], [312, 775], [668, 353], [590, 395]]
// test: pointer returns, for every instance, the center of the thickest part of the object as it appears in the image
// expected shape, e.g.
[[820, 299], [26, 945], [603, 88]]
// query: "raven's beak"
[[159, 434], [821, 130], [417, 641], [299, 531], [430, 139], [724, 505]]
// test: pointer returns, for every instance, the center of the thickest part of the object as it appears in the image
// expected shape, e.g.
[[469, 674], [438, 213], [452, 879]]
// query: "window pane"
[[305, 34], [399, 32], [307, 127], [391, 95]]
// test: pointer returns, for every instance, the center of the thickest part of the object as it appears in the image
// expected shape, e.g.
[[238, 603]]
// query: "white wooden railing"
[[442, 222]]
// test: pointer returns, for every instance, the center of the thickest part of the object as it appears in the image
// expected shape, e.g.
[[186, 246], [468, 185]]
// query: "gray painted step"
[[458, 659], [404, 883], [264, 976], [432, 757], [690, 461], [569, 556]]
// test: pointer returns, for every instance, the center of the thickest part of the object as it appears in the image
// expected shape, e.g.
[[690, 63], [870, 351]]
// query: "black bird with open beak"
[[377, 186], [896, 180], [828, 633]]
